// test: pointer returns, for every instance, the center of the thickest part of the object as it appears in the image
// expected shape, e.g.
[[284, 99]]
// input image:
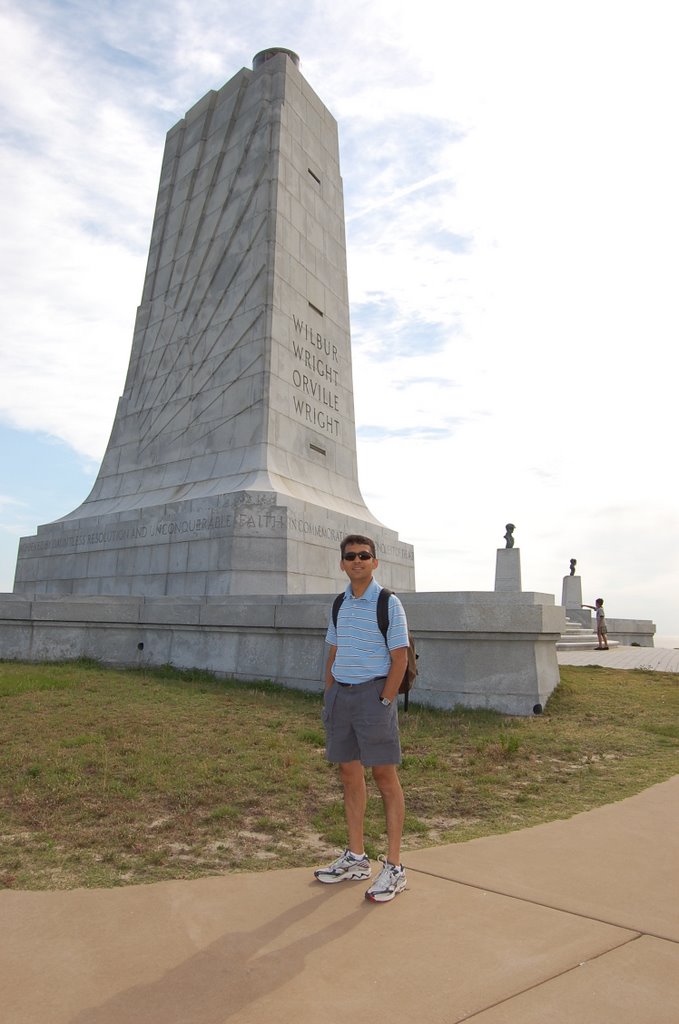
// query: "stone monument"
[[231, 466], [571, 592], [508, 564], [210, 539]]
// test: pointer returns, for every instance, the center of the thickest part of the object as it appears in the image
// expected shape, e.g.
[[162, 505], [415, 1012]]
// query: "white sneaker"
[[389, 883], [346, 868]]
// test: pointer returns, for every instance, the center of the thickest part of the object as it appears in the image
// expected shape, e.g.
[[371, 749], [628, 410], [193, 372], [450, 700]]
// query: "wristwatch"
[[383, 700]]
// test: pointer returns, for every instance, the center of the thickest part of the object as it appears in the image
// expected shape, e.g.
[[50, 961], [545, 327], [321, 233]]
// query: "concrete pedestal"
[[571, 593], [508, 570], [476, 649]]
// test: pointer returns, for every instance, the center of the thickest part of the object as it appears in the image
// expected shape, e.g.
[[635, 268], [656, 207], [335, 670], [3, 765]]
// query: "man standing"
[[360, 715]]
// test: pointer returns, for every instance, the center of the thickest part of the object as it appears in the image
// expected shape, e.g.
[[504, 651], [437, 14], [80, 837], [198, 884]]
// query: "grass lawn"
[[119, 777]]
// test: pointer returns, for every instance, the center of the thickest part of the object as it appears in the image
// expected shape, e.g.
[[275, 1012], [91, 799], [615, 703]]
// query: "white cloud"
[[7, 501]]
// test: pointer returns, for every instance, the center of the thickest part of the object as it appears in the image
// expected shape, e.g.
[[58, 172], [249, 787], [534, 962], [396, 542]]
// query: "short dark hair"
[[356, 538]]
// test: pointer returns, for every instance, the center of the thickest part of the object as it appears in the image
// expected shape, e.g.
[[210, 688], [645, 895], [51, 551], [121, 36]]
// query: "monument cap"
[[264, 55]]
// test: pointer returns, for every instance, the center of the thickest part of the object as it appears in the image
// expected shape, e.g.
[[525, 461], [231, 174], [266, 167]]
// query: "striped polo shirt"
[[361, 651]]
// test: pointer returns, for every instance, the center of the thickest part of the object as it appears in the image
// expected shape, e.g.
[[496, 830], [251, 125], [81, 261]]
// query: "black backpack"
[[408, 680]]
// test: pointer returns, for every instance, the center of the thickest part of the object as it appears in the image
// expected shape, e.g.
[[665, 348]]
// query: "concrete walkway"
[[573, 922], [658, 659]]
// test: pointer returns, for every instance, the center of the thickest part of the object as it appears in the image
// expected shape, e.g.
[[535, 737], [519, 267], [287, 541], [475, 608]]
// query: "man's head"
[[356, 540], [358, 561]]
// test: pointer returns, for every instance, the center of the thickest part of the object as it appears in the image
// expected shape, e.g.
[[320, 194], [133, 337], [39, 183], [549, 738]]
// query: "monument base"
[[248, 542], [571, 593], [508, 570], [475, 649]]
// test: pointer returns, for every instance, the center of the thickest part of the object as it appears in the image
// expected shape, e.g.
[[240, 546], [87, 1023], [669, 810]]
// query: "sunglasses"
[[364, 556]]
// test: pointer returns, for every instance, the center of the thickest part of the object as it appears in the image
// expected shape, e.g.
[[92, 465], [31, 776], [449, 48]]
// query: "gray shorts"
[[358, 727]]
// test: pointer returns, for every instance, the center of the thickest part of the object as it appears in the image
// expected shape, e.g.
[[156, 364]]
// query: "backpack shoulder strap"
[[336, 607], [383, 611]]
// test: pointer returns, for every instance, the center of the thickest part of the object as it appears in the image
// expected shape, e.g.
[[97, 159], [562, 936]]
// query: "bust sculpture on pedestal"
[[571, 592], [508, 563]]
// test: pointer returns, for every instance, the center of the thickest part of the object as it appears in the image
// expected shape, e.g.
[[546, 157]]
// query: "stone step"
[[577, 637], [580, 643]]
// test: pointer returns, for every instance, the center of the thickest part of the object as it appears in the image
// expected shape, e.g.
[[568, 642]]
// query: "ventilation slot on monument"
[[316, 309], [315, 448], [314, 176]]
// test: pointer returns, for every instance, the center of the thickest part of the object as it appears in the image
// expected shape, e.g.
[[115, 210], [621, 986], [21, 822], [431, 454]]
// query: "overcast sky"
[[510, 174]]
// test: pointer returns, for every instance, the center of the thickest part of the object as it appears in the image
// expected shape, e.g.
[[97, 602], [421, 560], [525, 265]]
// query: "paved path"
[[659, 659], [573, 922]]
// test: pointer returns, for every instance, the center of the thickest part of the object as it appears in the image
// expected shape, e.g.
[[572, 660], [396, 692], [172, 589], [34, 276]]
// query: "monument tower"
[[231, 466]]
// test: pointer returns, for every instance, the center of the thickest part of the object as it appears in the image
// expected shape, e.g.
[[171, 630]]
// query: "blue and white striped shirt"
[[361, 651]]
